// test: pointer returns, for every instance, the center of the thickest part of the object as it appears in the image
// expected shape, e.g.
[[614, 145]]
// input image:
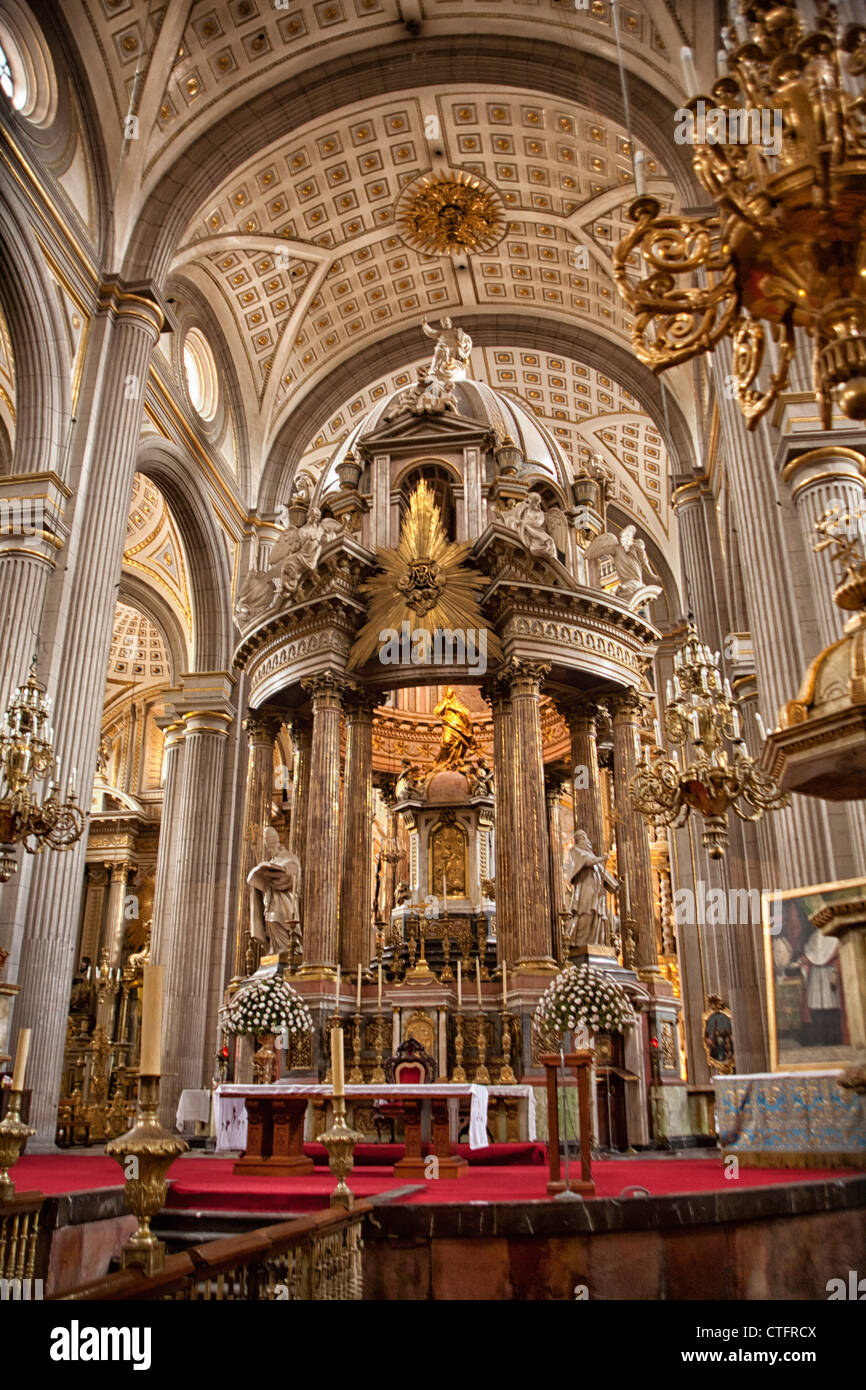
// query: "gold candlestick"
[[333, 1022], [482, 1075], [447, 973], [356, 1076], [378, 1076], [458, 1075], [340, 1142], [145, 1153], [506, 1075], [13, 1140]]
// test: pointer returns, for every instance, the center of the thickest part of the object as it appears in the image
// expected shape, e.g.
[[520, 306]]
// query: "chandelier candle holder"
[[779, 144], [13, 1132], [340, 1140], [27, 757], [718, 776], [145, 1154], [356, 1075], [378, 1073]]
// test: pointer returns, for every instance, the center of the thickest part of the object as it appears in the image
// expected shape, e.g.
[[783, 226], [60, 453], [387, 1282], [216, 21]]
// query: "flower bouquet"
[[580, 999], [267, 1006]]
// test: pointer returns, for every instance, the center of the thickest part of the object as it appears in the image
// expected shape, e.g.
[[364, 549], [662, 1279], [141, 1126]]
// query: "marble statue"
[[630, 559], [457, 738], [451, 354], [586, 874], [481, 778], [275, 886], [295, 552], [407, 784], [526, 520]]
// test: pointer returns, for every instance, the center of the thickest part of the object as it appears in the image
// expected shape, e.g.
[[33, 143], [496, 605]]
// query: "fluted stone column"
[[321, 891], [632, 840], [262, 729], [357, 847], [115, 921], [302, 733], [187, 951], [818, 479], [533, 926], [94, 912], [588, 812], [79, 619], [498, 693], [174, 734], [558, 900]]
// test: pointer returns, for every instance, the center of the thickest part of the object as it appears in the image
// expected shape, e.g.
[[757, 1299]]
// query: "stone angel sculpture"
[[527, 519], [630, 559], [295, 552]]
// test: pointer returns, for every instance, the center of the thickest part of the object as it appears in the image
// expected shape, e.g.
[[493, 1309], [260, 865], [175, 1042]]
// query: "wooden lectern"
[[581, 1062]]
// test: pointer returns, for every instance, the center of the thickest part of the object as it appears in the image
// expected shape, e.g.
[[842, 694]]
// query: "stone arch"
[[40, 347], [486, 330], [438, 60], [206, 553], [141, 595]]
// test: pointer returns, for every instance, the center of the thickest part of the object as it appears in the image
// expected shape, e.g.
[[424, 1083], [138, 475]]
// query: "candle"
[[460, 984], [72, 781], [445, 894], [358, 992], [760, 723], [504, 984], [379, 993], [338, 1070], [639, 174], [687, 58], [626, 902], [150, 1062], [338, 990], [21, 1054], [658, 733], [478, 979]]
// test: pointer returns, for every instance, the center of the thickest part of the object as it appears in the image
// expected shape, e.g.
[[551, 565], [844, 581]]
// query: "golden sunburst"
[[450, 212], [425, 583]]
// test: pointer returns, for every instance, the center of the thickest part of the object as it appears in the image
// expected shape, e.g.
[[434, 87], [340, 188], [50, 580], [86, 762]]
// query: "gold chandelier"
[[27, 757], [450, 212], [780, 146], [701, 710]]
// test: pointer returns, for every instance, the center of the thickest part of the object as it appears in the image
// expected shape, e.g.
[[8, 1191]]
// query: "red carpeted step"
[[491, 1156]]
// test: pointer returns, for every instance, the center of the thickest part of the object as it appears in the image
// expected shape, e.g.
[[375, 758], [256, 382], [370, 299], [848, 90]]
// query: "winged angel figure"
[[630, 559]]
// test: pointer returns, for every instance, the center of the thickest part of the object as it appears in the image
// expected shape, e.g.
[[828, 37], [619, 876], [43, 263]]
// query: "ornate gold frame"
[[835, 886], [714, 1004]]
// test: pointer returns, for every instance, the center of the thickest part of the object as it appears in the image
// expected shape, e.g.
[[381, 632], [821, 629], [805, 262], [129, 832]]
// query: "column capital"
[[359, 704], [526, 677], [262, 726], [496, 690], [328, 689], [627, 706], [582, 714], [138, 300], [831, 463]]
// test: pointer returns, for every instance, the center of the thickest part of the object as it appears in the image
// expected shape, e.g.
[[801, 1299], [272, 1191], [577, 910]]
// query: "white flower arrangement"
[[268, 1006], [580, 997]]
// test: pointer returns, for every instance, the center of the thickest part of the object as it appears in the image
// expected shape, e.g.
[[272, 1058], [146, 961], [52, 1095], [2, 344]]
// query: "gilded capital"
[[262, 727], [496, 690], [582, 715], [526, 677], [626, 707], [328, 689]]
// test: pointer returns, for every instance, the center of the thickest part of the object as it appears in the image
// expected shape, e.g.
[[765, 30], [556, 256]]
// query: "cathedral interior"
[[432, 588]]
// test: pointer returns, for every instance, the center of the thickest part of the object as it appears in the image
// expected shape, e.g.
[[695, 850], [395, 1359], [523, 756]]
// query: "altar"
[[271, 1122]]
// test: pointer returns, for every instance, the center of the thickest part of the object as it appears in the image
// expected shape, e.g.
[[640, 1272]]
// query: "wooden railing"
[[19, 1232], [311, 1258]]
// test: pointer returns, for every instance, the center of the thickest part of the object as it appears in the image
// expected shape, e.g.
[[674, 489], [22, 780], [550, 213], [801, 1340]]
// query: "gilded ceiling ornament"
[[450, 212], [425, 582]]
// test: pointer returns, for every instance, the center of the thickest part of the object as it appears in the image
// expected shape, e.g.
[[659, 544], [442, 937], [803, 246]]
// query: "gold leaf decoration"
[[425, 582]]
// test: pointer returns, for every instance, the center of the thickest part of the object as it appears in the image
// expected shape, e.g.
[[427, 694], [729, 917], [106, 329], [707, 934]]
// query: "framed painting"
[[806, 1004]]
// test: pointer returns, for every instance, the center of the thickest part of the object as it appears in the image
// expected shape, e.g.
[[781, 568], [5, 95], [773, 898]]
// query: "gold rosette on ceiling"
[[450, 212], [425, 582]]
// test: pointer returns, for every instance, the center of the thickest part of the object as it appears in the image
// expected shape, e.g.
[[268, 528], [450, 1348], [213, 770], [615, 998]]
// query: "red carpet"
[[209, 1184]]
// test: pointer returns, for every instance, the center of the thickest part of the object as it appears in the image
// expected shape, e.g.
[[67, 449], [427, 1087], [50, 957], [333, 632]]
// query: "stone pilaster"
[[261, 729], [115, 921], [31, 539], [79, 618], [302, 733], [586, 783], [632, 841], [187, 951], [174, 734], [94, 911], [321, 878], [498, 693], [818, 479], [533, 926], [357, 847]]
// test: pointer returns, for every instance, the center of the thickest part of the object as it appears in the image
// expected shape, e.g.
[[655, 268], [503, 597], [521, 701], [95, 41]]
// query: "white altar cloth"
[[231, 1112], [194, 1107]]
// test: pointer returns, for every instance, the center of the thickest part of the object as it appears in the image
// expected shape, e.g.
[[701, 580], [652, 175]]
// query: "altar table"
[[268, 1122], [791, 1119]]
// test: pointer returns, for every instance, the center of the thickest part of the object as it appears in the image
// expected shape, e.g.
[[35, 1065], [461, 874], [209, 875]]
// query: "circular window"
[[26, 70], [16, 92], [201, 374]]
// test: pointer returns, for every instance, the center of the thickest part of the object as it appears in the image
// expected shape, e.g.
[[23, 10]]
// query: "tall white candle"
[[504, 984], [478, 979], [687, 58], [379, 990], [760, 723], [338, 1070], [639, 174], [21, 1054], [338, 989], [150, 1062], [358, 993], [460, 984]]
